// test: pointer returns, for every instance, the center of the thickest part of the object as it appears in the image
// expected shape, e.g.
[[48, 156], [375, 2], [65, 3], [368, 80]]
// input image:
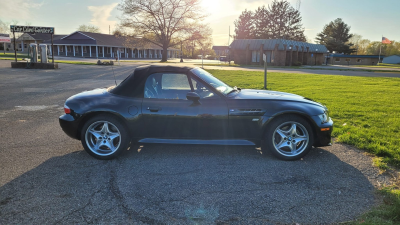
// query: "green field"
[[11, 56], [366, 114], [74, 62], [381, 65], [365, 110]]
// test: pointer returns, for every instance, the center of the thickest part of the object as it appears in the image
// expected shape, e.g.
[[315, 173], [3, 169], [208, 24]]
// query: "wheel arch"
[[88, 115], [286, 113]]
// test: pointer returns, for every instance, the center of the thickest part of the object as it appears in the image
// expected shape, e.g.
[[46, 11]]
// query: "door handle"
[[153, 109]]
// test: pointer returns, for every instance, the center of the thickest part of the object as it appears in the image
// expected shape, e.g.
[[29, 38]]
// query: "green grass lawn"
[[381, 65], [365, 110], [74, 62], [11, 55]]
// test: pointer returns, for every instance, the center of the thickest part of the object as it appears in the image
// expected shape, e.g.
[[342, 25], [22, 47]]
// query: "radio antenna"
[[112, 67]]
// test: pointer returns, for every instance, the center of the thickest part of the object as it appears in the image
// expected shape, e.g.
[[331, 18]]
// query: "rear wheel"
[[288, 137], [104, 137]]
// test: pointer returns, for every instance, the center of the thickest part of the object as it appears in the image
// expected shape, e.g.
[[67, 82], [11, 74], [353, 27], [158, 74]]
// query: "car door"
[[168, 114]]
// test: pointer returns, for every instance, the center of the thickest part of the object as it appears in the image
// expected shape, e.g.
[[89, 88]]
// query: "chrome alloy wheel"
[[290, 138], [103, 138]]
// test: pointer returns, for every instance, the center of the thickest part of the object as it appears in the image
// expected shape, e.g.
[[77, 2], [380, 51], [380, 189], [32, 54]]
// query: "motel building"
[[93, 45], [279, 52]]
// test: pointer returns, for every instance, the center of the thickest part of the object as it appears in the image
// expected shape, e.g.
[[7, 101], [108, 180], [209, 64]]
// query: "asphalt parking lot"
[[47, 178]]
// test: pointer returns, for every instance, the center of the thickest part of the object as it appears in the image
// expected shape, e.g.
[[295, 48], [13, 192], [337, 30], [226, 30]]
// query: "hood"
[[271, 95], [92, 93]]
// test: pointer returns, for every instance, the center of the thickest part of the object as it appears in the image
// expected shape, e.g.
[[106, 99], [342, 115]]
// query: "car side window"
[[167, 86], [203, 91]]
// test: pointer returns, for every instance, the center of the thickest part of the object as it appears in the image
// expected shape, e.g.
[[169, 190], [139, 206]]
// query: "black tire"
[[117, 145], [273, 139]]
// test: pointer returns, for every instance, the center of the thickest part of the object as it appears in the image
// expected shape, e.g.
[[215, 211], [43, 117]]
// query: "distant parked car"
[[185, 105], [223, 59]]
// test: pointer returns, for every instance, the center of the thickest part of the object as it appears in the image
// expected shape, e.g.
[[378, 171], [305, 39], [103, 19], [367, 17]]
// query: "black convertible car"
[[185, 105]]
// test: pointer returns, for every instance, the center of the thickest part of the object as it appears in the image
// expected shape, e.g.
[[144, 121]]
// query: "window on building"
[[25, 46], [20, 46], [69, 48], [255, 56], [108, 50], [76, 49], [347, 60], [100, 50], [358, 60], [337, 59], [84, 49], [61, 48]]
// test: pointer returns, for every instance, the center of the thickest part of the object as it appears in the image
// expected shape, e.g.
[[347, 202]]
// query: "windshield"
[[211, 80]]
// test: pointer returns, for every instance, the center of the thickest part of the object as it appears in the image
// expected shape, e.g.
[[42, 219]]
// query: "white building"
[[96, 45]]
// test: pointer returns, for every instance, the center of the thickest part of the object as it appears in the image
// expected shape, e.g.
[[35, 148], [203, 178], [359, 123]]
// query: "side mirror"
[[193, 96]]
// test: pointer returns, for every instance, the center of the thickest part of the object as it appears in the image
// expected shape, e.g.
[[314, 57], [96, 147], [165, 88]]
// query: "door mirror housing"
[[193, 96]]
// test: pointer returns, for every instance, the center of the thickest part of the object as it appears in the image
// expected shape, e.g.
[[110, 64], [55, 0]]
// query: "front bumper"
[[323, 132], [70, 126]]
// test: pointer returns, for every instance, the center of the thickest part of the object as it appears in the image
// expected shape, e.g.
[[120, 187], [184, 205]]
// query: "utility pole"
[[181, 53], [229, 50], [229, 36], [265, 70], [109, 29]]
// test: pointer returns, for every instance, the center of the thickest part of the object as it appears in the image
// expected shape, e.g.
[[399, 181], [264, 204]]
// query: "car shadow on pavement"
[[184, 184]]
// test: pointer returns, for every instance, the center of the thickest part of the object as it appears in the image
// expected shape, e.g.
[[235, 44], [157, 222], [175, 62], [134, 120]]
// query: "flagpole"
[[380, 49]]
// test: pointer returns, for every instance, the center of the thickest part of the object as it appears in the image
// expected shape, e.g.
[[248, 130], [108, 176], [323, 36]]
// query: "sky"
[[369, 18]]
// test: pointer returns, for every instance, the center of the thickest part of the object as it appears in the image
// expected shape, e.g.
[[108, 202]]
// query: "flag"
[[385, 41]]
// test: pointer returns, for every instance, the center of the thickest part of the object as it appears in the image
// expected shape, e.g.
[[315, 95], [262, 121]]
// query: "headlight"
[[324, 117]]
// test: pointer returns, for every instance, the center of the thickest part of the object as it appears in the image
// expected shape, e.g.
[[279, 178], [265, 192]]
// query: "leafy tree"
[[386, 49], [373, 48], [261, 23], [335, 36], [161, 22], [279, 21], [199, 41], [362, 46], [285, 22], [244, 26], [88, 28]]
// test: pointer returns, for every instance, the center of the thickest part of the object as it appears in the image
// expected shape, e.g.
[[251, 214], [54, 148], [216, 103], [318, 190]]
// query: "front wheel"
[[288, 137], [104, 137]]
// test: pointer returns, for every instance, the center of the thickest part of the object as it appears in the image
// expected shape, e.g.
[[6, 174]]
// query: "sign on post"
[[5, 38], [265, 70], [32, 30]]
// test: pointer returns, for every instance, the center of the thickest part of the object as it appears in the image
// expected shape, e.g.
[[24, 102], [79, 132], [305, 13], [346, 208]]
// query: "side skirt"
[[196, 142]]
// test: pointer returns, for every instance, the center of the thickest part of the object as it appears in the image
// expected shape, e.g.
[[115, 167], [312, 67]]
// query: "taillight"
[[67, 110]]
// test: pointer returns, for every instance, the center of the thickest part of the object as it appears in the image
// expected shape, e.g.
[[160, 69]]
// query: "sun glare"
[[211, 6]]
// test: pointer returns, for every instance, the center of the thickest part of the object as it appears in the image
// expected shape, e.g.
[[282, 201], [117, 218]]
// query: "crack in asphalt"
[[118, 196], [80, 208]]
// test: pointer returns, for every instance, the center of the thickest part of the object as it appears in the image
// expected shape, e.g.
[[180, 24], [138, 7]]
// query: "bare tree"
[[164, 23], [88, 28]]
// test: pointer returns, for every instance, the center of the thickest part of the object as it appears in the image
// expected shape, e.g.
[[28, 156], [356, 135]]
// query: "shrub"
[[297, 63]]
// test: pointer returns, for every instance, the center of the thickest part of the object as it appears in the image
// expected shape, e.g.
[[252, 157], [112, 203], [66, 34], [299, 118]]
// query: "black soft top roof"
[[133, 85]]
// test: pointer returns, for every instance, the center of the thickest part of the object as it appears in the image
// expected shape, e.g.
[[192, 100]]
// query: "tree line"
[[280, 20]]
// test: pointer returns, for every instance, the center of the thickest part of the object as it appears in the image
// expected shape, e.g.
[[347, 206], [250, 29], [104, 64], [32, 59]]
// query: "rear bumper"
[[70, 126], [323, 135]]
